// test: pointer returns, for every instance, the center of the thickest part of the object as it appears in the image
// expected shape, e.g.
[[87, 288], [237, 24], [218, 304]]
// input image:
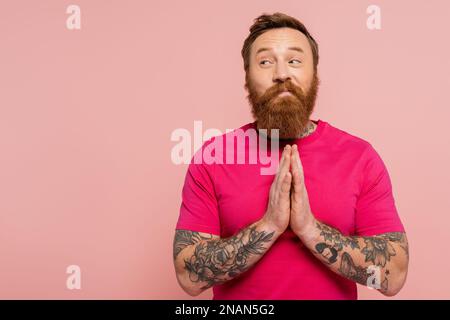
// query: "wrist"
[[269, 227], [308, 231]]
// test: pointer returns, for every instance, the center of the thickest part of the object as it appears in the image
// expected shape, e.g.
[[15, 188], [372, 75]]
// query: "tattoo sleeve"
[[209, 261], [376, 261]]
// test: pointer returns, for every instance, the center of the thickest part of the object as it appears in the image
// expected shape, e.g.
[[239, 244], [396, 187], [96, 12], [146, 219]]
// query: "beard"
[[289, 113]]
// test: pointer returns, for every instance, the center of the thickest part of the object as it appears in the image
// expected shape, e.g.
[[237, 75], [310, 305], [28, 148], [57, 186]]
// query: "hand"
[[301, 218], [278, 208]]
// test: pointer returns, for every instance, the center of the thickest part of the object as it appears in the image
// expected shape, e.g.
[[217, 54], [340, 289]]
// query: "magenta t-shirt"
[[349, 188]]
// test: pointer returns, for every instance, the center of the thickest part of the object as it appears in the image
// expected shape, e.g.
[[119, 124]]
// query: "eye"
[[263, 62], [295, 61]]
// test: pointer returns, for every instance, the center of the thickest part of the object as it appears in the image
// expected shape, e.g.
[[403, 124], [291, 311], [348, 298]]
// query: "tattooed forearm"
[[214, 261], [184, 238], [361, 275], [219, 260], [377, 250], [362, 259], [327, 251], [398, 237], [335, 238], [350, 270]]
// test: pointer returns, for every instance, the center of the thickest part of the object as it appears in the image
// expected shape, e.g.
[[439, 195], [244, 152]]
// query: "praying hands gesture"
[[288, 199], [301, 218]]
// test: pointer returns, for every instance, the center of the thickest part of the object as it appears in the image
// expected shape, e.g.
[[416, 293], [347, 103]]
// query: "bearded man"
[[325, 221]]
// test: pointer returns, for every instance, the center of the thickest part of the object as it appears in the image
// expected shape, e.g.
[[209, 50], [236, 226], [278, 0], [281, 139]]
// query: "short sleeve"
[[199, 206], [376, 212]]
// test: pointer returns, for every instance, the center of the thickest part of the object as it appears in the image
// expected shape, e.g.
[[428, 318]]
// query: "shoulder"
[[357, 150], [346, 141]]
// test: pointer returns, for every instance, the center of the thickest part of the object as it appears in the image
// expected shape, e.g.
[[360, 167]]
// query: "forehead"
[[281, 39]]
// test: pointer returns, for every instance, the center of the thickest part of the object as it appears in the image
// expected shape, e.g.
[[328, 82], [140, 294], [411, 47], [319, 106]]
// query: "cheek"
[[307, 81], [261, 89], [261, 81], [302, 81]]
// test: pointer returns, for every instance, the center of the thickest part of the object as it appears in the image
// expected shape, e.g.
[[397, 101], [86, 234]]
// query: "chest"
[[332, 185]]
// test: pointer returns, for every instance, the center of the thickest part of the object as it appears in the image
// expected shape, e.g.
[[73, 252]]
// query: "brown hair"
[[266, 22]]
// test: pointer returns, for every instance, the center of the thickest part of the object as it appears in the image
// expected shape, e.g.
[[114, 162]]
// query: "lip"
[[284, 93]]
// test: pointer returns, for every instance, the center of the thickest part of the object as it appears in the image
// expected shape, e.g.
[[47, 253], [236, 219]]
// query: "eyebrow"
[[290, 48]]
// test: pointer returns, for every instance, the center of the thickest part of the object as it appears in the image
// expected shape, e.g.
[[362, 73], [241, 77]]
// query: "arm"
[[382, 258], [380, 261], [203, 260]]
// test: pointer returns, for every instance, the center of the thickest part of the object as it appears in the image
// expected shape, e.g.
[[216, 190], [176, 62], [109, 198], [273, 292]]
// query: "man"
[[327, 219]]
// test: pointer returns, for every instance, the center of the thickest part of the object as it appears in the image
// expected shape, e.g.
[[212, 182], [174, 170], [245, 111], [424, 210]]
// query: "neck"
[[310, 127]]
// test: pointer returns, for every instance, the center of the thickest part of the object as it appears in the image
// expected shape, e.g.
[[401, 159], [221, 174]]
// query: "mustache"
[[278, 88]]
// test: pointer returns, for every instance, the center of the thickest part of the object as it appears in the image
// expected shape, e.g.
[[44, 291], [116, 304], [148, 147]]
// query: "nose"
[[281, 74]]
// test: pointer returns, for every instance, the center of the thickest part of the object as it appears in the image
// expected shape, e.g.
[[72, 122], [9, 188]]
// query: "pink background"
[[86, 116]]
